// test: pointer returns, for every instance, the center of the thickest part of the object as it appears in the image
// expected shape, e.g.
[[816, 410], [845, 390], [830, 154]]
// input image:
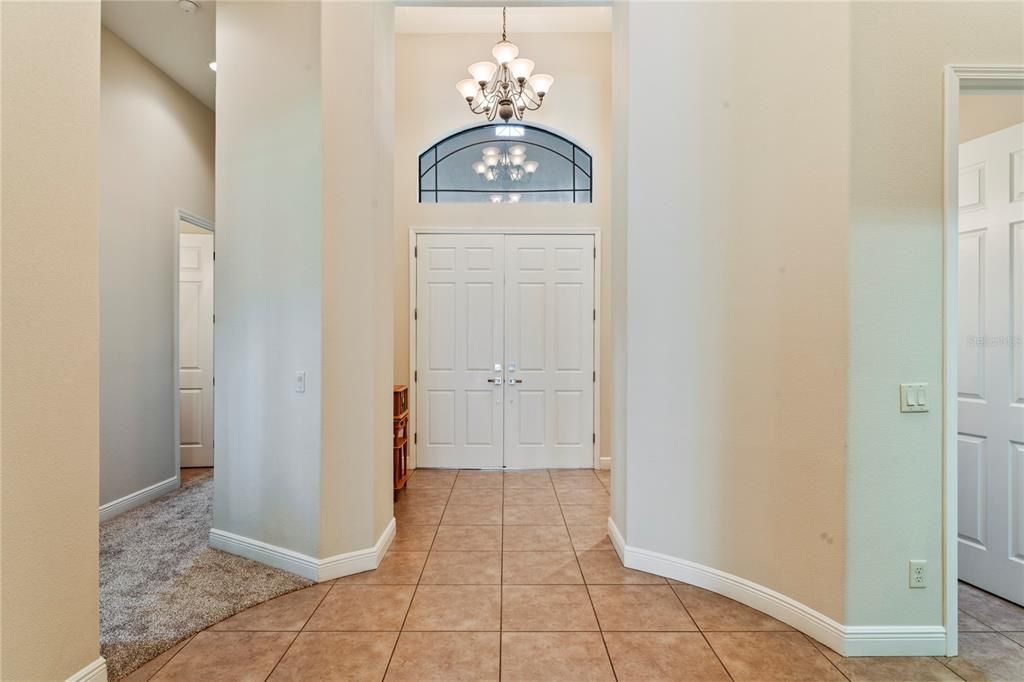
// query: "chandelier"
[[509, 163], [507, 89]]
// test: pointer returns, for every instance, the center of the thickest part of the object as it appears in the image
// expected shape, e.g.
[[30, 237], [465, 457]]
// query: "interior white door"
[[991, 364], [195, 349], [459, 350], [549, 351]]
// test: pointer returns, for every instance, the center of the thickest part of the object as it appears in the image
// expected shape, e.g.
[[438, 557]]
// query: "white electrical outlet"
[[918, 573], [300, 382]]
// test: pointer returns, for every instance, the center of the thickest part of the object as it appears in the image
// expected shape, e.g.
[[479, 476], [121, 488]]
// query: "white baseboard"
[[303, 565], [848, 640], [94, 672], [138, 498]]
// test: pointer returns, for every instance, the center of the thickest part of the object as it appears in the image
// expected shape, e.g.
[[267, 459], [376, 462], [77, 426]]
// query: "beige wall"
[[984, 114], [894, 486], [269, 163], [156, 157], [428, 108], [735, 213], [358, 290], [802, 246], [49, 357], [304, 241]]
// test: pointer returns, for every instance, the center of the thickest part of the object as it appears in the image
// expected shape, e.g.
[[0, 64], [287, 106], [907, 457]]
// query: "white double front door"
[[504, 350], [990, 364]]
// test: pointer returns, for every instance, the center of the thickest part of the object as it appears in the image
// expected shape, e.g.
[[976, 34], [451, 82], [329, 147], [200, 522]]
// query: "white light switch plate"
[[300, 382], [913, 397]]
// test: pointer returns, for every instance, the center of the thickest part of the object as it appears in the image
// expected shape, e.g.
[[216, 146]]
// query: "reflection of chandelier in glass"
[[506, 198], [510, 163], [506, 89]]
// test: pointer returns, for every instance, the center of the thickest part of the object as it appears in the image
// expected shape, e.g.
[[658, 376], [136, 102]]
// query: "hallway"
[[512, 576]]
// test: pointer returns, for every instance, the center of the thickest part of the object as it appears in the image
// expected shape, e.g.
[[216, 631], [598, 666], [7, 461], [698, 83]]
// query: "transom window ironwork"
[[505, 163]]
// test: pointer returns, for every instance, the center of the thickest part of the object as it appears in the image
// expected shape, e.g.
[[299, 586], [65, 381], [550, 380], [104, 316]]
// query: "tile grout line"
[[188, 640], [295, 636], [586, 586], [416, 587], [701, 631], [811, 641]]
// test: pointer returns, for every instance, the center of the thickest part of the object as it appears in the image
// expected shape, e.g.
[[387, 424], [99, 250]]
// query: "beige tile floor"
[[512, 576]]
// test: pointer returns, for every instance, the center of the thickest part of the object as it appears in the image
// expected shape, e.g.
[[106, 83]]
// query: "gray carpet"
[[160, 582]]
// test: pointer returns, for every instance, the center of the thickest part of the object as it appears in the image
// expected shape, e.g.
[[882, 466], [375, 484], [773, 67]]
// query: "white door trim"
[[958, 78], [414, 231], [181, 214]]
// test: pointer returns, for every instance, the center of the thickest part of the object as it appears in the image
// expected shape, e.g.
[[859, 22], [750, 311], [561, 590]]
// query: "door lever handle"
[[497, 381], [512, 380]]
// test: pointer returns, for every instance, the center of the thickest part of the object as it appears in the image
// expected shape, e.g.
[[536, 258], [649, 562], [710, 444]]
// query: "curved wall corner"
[[848, 640]]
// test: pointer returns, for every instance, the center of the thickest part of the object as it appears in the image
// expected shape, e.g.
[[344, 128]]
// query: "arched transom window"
[[505, 163]]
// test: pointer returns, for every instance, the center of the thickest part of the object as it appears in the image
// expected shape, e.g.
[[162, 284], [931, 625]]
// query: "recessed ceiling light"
[[213, 66]]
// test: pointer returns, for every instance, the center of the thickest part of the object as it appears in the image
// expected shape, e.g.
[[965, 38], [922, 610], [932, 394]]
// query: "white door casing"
[[990, 363], [549, 351], [459, 340], [491, 311], [195, 349]]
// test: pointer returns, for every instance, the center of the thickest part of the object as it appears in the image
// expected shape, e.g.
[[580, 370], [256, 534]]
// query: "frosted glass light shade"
[[521, 68], [530, 166], [482, 72], [517, 159], [505, 52], [541, 83], [495, 198], [491, 151], [514, 198], [490, 161], [467, 88], [517, 150], [479, 167]]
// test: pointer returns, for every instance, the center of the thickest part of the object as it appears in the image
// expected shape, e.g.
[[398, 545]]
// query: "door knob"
[[512, 380], [497, 381]]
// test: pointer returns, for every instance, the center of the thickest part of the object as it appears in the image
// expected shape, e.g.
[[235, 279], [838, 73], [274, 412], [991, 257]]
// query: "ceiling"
[[488, 20], [181, 45]]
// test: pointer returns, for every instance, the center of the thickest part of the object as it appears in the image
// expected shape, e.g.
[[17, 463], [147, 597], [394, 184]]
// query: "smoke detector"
[[188, 6]]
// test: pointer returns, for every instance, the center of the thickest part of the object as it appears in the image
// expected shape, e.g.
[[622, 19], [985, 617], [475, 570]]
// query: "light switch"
[[913, 397], [300, 382]]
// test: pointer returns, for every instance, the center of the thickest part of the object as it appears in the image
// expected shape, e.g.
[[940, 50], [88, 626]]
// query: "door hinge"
[[415, 252], [415, 313], [415, 375], [215, 318], [594, 376], [214, 255], [593, 438], [415, 437], [214, 381], [595, 314], [595, 252]]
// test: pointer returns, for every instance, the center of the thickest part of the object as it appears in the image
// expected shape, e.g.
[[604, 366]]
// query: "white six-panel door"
[[504, 350], [195, 349], [549, 350], [990, 364], [459, 340]]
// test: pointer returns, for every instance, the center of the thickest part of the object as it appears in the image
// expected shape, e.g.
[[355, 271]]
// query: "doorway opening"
[[193, 348], [983, 358]]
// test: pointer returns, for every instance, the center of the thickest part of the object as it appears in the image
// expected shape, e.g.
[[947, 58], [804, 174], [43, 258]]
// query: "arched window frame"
[[578, 156]]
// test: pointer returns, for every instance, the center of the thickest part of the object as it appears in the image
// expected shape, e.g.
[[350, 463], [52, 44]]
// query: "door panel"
[[195, 349], [990, 357], [549, 332], [459, 285]]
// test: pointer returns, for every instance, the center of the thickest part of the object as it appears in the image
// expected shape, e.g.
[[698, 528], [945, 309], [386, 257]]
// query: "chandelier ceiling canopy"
[[507, 89]]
